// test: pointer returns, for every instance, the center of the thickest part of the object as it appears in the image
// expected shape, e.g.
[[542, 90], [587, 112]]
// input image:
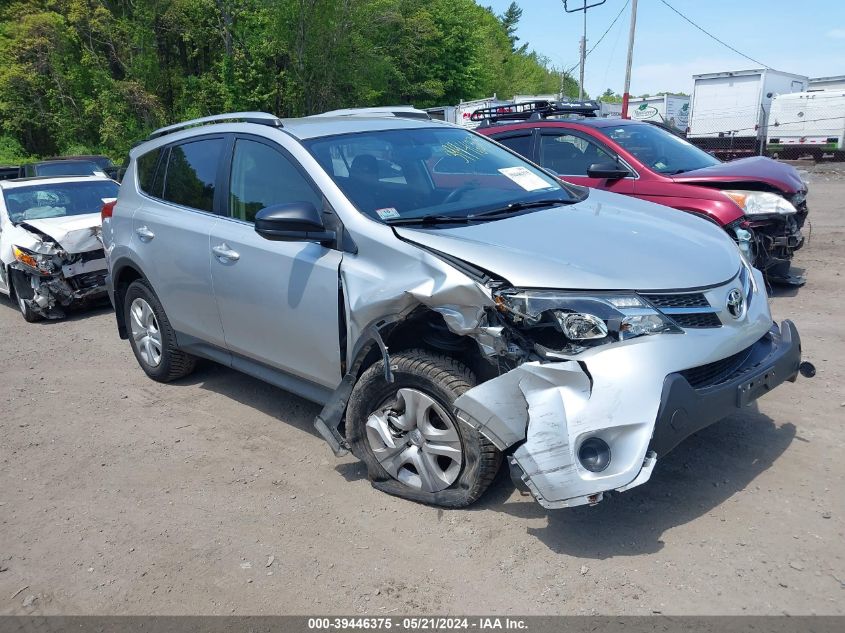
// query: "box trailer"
[[670, 109], [729, 111], [804, 123], [836, 82]]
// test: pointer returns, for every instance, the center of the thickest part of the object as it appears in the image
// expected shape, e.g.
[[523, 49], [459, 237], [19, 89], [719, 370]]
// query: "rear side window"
[[146, 167], [192, 172], [262, 177]]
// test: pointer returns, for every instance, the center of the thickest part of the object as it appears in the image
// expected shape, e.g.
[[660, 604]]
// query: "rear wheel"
[[407, 433], [151, 336]]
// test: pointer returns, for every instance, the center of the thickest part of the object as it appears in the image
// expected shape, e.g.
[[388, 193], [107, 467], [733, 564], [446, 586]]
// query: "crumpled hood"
[[75, 233], [754, 169], [606, 242]]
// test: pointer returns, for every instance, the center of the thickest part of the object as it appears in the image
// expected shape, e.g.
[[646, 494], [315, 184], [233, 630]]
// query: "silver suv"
[[449, 303]]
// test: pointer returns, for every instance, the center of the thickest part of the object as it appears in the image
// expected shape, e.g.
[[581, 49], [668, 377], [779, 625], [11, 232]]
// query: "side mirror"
[[609, 170], [292, 222]]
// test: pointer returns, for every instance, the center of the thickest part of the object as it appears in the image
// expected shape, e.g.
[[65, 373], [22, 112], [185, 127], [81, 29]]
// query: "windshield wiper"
[[516, 207], [430, 219]]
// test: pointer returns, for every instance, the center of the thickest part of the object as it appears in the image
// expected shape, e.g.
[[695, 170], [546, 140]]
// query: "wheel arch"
[[124, 272]]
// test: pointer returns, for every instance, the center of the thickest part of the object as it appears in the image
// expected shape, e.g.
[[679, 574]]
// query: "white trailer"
[[729, 111], [807, 123], [670, 109], [836, 82], [460, 114]]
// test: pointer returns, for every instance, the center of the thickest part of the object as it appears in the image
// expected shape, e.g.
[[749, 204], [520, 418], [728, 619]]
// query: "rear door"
[[278, 300], [171, 232]]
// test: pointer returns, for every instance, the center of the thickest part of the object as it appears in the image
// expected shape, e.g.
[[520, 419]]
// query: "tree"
[[510, 19]]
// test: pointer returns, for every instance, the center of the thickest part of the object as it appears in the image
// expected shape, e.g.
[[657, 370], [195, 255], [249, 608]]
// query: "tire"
[[419, 462], [151, 335], [19, 279]]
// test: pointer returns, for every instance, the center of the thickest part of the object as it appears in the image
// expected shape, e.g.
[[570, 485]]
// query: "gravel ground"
[[214, 495]]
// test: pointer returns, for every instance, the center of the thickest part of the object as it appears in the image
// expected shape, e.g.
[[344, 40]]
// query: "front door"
[[278, 301], [570, 155]]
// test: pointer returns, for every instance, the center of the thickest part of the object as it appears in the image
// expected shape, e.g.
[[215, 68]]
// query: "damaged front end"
[[584, 391], [770, 232], [48, 278]]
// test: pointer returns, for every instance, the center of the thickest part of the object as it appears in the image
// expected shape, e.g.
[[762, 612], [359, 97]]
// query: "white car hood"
[[606, 242], [74, 234]]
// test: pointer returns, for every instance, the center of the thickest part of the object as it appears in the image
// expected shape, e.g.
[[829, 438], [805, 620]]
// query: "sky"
[[805, 37]]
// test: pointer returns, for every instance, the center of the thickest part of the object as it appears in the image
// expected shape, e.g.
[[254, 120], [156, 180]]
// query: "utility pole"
[[583, 51], [626, 95]]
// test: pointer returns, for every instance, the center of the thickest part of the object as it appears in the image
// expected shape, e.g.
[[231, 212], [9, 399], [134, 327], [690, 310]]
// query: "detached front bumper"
[[776, 239], [540, 414]]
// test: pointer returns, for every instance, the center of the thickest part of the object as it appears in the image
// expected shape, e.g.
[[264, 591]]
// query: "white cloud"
[[836, 34]]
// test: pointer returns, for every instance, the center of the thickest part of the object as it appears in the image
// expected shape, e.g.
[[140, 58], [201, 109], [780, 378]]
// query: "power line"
[[707, 33], [615, 20]]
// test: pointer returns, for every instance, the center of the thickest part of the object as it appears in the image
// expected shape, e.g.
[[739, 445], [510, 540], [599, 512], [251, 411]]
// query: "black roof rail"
[[534, 111], [261, 118]]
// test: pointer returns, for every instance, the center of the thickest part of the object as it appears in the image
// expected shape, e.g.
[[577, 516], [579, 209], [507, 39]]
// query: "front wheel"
[[407, 433], [22, 293]]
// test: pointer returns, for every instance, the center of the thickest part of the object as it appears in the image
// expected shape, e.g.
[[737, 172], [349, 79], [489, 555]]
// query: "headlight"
[[41, 263], [760, 202], [572, 322]]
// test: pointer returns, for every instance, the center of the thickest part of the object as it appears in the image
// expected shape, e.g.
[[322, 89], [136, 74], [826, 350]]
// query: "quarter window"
[[146, 166], [570, 155], [262, 177], [191, 173]]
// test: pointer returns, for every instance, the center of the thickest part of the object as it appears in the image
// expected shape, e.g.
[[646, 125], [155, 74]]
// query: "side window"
[[520, 144], [570, 155], [263, 176], [191, 173], [146, 167]]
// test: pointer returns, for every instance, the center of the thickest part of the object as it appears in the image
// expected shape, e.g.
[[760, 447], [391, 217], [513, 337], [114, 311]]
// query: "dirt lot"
[[120, 495]]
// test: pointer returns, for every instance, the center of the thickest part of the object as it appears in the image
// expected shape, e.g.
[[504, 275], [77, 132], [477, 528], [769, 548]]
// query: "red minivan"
[[759, 201]]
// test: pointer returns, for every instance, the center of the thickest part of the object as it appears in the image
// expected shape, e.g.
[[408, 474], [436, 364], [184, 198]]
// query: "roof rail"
[[262, 118], [534, 110]]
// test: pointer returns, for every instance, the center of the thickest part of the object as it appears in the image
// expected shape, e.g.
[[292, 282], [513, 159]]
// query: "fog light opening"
[[594, 454]]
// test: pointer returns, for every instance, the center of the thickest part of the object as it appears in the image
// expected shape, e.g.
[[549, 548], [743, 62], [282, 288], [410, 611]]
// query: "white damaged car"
[[450, 304], [50, 242]]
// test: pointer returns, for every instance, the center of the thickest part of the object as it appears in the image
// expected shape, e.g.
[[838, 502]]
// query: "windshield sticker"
[[388, 213], [524, 178]]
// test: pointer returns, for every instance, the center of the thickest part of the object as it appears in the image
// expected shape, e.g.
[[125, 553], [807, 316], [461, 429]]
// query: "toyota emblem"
[[736, 303]]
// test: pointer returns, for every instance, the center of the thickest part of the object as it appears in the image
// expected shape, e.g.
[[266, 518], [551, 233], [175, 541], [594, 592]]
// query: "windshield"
[[660, 150], [403, 175], [67, 168], [55, 200]]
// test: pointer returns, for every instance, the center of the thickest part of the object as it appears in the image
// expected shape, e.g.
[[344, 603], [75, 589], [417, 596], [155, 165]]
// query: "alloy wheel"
[[145, 332], [416, 441]]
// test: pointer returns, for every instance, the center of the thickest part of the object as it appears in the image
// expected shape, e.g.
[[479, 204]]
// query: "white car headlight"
[[760, 202]]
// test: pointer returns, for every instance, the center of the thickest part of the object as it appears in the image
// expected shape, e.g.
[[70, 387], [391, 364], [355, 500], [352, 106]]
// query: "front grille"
[[86, 281], [688, 309], [701, 319], [686, 300], [92, 255], [717, 372]]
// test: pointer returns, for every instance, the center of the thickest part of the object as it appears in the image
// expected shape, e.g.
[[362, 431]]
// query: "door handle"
[[144, 233], [225, 254]]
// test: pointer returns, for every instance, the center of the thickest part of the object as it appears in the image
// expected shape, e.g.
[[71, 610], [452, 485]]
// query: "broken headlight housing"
[[40, 263], [569, 322], [760, 202]]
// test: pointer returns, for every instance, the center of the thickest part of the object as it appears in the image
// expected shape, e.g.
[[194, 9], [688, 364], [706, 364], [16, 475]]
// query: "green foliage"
[[609, 96], [95, 76]]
